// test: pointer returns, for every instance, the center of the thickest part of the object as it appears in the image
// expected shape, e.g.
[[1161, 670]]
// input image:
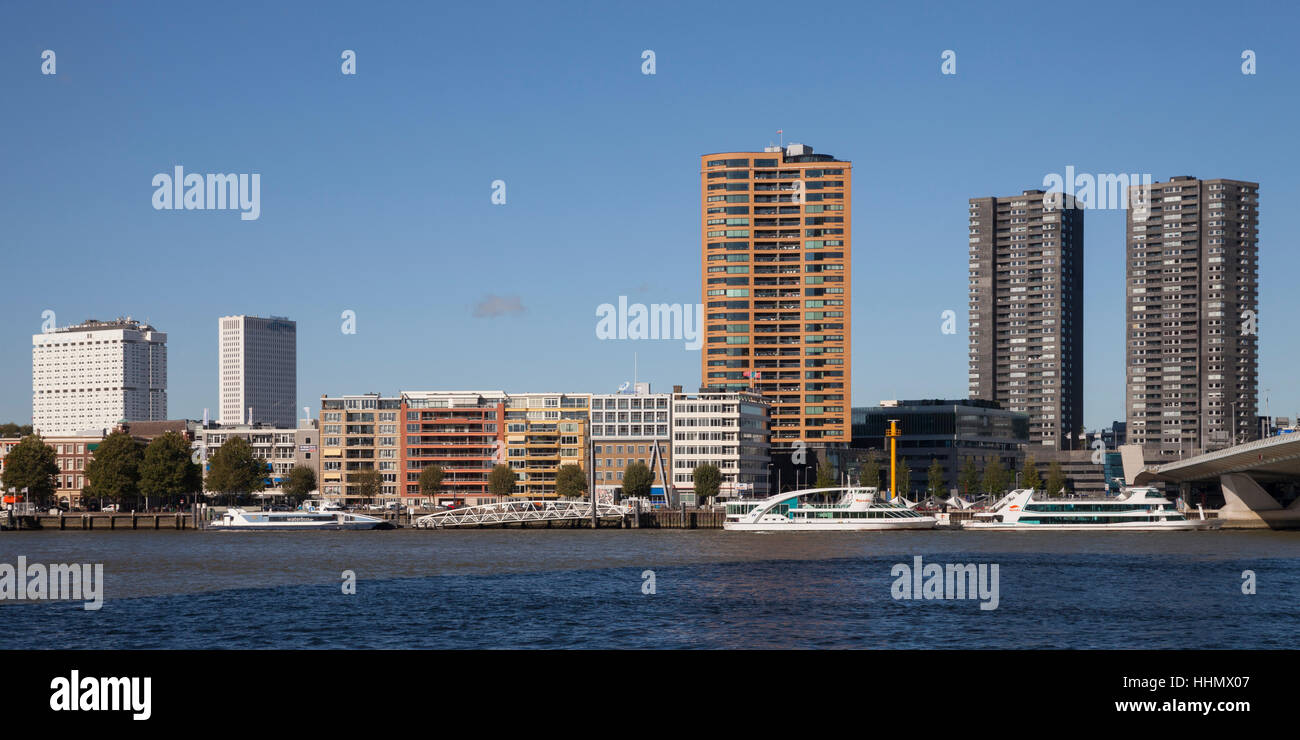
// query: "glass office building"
[[950, 431]]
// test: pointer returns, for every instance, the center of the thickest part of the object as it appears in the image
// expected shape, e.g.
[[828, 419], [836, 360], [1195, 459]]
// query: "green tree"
[[826, 475], [570, 481], [968, 480], [869, 471], [368, 484], [1029, 477], [300, 483], [935, 479], [167, 469], [233, 470], [707, 480], [501, 481], [10, 429], [637, 481], [114, 471], [995, 477], [904, 476], [1055, 479], [431, 482], [32, 465]]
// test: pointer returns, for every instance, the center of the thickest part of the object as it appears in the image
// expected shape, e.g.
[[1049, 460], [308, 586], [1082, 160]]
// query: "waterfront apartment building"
[[1026, 311], [1192, 316], [258, 370], [776, 249], [729, 429], [359, 434], [543, 432], [88, 377], [461, 431], [281, 448], [627, 428], [952, 432]]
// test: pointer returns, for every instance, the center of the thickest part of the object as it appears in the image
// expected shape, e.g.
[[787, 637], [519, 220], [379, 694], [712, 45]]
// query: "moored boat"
[[853, 509], [1139, 509], [243, 520]]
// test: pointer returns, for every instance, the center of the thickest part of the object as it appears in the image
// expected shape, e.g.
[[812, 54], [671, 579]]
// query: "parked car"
[[109, 507]]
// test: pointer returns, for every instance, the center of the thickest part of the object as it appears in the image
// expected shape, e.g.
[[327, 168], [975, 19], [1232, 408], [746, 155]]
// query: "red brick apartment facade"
[[463, 432]]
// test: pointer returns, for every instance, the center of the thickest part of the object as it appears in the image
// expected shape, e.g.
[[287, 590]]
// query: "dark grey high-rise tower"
[[258, 370], [1193, 300], [1026, 311]]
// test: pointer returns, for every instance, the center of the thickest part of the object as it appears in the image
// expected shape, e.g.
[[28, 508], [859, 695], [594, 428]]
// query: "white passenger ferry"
[[853, 510], [1141, 509], [243, 520]]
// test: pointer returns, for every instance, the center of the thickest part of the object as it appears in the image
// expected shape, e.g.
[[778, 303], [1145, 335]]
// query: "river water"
[[565, 588]]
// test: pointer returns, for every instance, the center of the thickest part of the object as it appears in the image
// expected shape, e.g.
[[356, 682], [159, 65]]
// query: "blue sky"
[[375, 189]]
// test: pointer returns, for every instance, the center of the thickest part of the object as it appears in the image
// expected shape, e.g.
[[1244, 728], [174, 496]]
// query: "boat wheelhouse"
[[824, 510], [1140, 509]]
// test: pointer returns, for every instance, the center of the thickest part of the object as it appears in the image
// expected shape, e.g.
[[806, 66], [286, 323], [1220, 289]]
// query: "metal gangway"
[[504, 513]]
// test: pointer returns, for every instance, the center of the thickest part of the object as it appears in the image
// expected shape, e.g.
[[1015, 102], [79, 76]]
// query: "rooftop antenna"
[[634, 369], [781, 133]]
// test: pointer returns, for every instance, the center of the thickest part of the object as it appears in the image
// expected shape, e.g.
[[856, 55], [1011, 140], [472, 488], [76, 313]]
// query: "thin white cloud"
[[496, 305]]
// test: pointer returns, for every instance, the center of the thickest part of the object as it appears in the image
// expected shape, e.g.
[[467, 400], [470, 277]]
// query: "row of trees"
[[11, 429], [123, 470], [571, 481], [995, 478]]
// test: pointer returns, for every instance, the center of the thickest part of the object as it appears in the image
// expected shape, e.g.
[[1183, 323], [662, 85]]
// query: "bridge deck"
[[510, 512]]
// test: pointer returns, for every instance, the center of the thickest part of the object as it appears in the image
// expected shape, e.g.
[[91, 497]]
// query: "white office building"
[[731, 430], [627, 427], [281, 449], [89, 377], [258, 371]]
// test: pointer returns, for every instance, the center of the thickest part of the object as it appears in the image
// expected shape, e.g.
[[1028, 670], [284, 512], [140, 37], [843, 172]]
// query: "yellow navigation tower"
[[892, 434]]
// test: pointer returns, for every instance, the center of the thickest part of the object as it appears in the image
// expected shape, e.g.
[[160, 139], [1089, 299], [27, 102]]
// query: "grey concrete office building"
[[258, 371], [1026, 311], [1192, 316]]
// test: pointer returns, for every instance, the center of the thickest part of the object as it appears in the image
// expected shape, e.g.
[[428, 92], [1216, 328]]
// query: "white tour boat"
[[853, 510], [1140, 509], [243, 520]]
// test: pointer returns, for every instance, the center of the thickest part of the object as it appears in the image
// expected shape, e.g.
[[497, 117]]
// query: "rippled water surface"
[[712, 589]]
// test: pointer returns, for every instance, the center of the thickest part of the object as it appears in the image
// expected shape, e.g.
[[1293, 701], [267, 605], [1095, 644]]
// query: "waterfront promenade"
[[102, 522]]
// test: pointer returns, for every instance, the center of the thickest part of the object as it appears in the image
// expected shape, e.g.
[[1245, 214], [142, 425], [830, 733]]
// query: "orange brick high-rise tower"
[[775, 237]]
